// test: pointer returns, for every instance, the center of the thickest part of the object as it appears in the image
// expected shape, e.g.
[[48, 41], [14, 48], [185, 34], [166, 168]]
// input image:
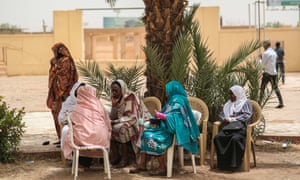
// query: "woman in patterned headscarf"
[[230, 144], [62, 76], [177, 119], [124, 118]]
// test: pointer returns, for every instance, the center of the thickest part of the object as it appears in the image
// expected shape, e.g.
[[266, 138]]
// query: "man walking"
[[280, 61], [268, 60]]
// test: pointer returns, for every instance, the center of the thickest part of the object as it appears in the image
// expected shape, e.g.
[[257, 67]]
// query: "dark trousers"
[[280, 68], [273, 80]]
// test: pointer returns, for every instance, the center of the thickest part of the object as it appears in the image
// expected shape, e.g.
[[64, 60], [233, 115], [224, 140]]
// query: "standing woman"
[[230, 143], [62, 77], [124, 118]]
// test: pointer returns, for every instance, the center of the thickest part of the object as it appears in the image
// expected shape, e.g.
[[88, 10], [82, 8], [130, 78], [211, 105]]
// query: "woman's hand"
[[160, 115], [114, 102]]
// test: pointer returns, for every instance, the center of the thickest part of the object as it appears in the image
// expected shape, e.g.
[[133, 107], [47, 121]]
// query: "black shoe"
[[280, 106]]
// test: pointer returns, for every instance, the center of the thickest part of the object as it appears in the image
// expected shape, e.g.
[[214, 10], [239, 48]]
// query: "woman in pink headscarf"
[[91, 124]]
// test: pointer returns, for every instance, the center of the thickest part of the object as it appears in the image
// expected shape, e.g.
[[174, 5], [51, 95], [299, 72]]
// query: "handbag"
[[233, 126]]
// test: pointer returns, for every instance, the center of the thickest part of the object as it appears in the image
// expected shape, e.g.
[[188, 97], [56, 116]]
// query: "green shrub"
[[11, 131]]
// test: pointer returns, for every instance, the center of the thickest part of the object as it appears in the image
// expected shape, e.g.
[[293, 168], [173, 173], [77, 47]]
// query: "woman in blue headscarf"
[[176, 118]]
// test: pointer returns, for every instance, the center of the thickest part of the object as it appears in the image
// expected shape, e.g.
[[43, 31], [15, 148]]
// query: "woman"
[[230, 143], [62, 77], [91, 124], [176, 118], [124, 118]]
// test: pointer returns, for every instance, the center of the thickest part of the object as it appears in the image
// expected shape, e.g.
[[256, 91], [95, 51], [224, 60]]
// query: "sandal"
[[158, 172], [137, 170]]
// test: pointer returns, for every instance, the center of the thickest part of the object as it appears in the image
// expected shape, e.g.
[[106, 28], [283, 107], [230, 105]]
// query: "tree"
[[7, 28]]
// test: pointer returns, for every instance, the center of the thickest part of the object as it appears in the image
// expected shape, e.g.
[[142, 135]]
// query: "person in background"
[[268, 60], [280, 61], [230, 144], [176, 118], [62, 76], [91, 125], [124, 116]]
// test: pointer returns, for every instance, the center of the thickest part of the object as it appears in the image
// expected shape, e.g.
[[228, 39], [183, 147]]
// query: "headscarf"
[[233, 107], [124, 90], [68, 104]]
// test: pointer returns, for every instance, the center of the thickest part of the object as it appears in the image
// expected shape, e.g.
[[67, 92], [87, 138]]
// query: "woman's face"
[[232, 96], [116, 91]]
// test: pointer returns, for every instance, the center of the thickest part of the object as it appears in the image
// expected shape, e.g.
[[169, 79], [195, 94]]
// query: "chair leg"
[[73, 162], [106, 164], [212, 155], [181, 156], [253, 153], [201, 150], [194, 163], [170, 156], [76, 163]]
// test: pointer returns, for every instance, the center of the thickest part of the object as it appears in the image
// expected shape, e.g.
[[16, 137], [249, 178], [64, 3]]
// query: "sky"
[[30, 14]]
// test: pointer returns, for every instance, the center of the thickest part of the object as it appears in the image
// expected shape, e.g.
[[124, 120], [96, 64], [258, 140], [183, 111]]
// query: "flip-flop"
[[137, 170], [55, 143], [46, 143]]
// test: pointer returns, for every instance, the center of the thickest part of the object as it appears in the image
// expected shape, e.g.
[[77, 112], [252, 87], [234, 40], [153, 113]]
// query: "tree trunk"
[[163, 20]]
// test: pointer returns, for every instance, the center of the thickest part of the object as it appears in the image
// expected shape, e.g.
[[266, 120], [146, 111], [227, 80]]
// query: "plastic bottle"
[[285, 144]]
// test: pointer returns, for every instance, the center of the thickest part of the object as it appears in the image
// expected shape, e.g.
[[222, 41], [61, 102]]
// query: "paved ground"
[[40, 126], [273, 161]]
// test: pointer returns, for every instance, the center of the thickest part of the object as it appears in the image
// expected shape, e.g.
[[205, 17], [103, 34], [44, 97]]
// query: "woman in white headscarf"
[[230, 141]]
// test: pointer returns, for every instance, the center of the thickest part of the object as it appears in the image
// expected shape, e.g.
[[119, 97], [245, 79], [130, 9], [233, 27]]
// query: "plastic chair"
[[77, 149], [199, 105], [152, 103], [249, 144]]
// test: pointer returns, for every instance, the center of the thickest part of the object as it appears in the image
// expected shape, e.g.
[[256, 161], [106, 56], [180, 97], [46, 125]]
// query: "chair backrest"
[[199, 105], [71, 131], [256, 116], [152, 103]]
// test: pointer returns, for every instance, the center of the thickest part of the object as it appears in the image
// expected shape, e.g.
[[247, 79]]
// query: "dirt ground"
[[30, 92]]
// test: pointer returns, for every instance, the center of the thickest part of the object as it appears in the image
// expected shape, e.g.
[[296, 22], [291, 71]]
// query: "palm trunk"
[[163, 20]]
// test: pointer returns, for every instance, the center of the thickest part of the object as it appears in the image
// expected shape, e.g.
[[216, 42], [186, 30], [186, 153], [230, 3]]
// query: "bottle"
[[285, 144]]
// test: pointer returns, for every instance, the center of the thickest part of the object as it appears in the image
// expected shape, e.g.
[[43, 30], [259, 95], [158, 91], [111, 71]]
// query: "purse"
[[233, 126]]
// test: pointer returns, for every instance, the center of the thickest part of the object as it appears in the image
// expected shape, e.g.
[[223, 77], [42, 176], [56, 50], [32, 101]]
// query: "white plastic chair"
[[77, 149], [170, 157]]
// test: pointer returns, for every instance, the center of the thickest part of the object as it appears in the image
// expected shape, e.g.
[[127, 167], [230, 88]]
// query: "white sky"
[[29, 14]]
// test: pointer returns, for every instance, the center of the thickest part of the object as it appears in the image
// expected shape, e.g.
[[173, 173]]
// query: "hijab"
[[233, 107], [69, 103]]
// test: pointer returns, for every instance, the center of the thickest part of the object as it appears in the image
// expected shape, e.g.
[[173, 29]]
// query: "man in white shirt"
[[268, 60]]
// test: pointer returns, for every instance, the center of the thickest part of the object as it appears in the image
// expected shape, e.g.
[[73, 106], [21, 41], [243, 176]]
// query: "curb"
[[280, 138]]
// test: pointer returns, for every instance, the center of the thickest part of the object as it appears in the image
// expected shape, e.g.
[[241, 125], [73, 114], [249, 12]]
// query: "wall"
[[29, 54]]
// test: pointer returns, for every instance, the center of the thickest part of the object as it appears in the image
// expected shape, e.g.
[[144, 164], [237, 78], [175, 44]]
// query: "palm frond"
[[181, 58], [132, 76], [90, 72], [156, 65], [244, 51]]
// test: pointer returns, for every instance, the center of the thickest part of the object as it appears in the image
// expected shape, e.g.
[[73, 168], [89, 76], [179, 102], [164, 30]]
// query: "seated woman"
[[67, 107], [124, 118], [91, 124], [176, 118], [230, 142]]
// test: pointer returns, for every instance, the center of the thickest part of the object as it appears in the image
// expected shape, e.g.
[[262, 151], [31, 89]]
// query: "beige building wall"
[[225, 41], [29, 54], [26, 54], [68, 29]]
